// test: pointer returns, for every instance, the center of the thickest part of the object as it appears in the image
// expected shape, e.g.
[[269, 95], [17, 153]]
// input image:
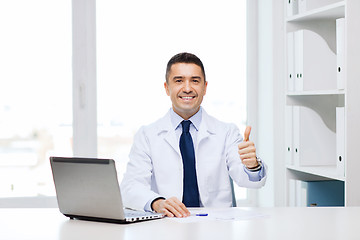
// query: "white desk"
[[275, 223]]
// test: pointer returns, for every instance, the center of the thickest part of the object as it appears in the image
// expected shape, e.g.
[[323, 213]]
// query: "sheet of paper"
[[226, 214], [235, 214]]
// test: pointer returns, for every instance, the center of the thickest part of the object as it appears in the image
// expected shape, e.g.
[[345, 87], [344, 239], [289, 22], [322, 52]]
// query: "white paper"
[[233, 214]]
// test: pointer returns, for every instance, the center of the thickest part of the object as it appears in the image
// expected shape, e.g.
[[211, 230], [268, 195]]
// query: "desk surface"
[[265, 223]]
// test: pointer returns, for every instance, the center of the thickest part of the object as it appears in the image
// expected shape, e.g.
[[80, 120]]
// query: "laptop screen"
[[87, 187]]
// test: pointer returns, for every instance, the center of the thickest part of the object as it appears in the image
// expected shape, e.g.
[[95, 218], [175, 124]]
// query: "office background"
[[81, 77], [87, 74]]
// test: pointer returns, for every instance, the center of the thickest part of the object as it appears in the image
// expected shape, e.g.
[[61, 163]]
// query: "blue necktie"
[[191, 191]]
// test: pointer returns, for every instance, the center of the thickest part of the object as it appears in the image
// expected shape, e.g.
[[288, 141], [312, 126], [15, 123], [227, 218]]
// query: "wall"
[[266, 94]]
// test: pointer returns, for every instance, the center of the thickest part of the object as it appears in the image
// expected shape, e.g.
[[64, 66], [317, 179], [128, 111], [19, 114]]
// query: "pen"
[[201, 214]]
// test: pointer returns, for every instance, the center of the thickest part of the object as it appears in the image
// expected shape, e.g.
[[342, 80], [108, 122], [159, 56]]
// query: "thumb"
[[247, 133]]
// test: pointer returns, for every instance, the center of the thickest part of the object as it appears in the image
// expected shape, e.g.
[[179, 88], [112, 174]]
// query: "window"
[[35, 93], [135, 39]]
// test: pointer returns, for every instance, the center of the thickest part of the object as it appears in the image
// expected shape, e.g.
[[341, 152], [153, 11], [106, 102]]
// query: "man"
[[175, 164]]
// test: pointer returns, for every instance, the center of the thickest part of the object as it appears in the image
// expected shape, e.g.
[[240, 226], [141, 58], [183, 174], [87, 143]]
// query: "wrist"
[[154, 203], [256, 168]]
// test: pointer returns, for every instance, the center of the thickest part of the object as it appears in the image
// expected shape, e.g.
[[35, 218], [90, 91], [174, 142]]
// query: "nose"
[[187, 87]]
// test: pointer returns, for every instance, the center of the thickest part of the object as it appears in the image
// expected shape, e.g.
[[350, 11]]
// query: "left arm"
[[243, 165]]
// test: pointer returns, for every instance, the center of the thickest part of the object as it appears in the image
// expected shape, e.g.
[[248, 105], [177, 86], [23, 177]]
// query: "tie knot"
[[185, 125]]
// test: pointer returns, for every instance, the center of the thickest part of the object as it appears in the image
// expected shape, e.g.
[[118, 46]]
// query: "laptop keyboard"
[[133, 215]]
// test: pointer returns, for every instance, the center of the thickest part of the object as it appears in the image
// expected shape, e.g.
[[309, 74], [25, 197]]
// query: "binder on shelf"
[[340, 52], [295, 134], [315, 63], [298, 60], [316, 193], [292, 192], [325, 193], [301, 193], [289, 8], [292, 7], [290, 61], [288, 135], [302, 6], [340, 140], [314, 143]]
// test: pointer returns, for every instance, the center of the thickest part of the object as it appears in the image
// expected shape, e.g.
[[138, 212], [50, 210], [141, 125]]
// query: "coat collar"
[[166, 129]]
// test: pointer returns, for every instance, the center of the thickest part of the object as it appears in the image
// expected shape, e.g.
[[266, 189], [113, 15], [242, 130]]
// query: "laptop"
[[88, 189]]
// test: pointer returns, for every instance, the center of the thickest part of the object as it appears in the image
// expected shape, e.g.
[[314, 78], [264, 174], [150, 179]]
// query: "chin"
[[190, 111]]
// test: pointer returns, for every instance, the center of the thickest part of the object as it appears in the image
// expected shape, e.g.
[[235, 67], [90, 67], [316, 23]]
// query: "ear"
[[205, 87], [166, 88]]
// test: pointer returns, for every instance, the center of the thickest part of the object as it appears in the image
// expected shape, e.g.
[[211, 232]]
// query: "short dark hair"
[[184, 57]]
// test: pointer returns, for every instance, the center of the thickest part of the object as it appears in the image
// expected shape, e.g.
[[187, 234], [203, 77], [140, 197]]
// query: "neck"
[[186, 115]]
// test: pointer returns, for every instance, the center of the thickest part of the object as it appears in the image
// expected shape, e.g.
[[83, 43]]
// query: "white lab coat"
[[155, 168]]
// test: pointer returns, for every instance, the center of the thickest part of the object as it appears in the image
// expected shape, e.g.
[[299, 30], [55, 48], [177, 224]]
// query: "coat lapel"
[[166, 130], [170, 138], [206, 129]]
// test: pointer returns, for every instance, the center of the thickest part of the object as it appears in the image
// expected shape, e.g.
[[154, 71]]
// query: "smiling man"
[[188, 158]]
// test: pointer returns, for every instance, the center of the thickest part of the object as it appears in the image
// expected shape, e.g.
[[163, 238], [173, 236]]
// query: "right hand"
[[171, 207]]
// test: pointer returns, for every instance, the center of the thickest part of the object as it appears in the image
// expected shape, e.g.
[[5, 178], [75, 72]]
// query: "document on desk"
[[233, 214]]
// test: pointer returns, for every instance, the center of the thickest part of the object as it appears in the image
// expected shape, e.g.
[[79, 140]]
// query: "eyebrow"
[[181, 77]]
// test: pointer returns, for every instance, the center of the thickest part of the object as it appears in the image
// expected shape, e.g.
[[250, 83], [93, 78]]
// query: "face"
[[186, 87]]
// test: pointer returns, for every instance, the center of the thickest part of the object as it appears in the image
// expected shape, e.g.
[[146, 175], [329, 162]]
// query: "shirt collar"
[[195, 119]]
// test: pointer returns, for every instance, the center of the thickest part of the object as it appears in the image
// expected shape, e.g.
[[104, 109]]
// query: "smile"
[[187, 98]]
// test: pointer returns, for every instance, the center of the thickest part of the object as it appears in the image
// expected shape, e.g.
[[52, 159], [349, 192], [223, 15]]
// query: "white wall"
[[265, 111], [84, 78], [279, 99]]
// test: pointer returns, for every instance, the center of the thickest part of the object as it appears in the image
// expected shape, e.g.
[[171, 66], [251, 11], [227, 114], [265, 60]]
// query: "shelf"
[[312, 103], [315, 93], [326, 100], [329, 12], [316, 173]]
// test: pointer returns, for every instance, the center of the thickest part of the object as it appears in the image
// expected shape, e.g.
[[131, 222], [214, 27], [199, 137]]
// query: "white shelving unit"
[[313, 95]]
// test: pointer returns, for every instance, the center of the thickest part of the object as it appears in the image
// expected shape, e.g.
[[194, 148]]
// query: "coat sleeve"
[[235, 167], [136, 184]]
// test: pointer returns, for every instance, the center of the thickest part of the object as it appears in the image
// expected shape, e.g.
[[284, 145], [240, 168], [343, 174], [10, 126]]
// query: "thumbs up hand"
[[247, 151]]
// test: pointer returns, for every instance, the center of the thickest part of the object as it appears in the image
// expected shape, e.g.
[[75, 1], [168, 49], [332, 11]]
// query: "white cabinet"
[[322, 111]]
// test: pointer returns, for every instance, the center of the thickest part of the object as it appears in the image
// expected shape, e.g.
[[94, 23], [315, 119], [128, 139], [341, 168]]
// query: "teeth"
[[186, 98]]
